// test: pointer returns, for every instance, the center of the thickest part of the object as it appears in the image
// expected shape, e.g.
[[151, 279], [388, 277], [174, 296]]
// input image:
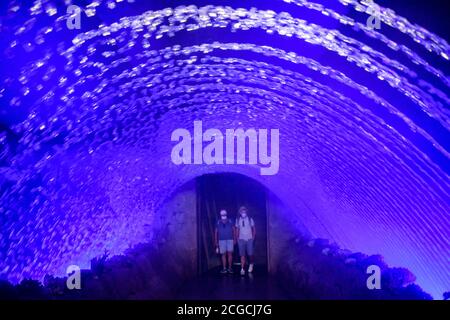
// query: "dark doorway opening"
[[229, 191]]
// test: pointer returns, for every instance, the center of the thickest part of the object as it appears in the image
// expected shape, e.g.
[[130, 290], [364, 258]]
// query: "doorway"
[[229, 191]]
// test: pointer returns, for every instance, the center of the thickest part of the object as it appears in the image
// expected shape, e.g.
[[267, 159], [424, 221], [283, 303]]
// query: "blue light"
[[87, 116]]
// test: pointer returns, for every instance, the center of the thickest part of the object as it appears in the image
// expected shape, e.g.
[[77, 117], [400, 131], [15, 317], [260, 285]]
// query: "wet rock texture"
[[86, 119]]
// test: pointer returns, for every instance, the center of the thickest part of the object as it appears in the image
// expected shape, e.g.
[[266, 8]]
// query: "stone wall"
[[283, 227], [177, 235], [316, 269]]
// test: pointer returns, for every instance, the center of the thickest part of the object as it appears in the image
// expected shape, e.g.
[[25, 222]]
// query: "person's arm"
[[253, 230], [237, 229], [234, 234], [216, 236]]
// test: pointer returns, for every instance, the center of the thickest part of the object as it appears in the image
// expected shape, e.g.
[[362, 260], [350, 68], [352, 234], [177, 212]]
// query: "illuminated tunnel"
[[87, 116]]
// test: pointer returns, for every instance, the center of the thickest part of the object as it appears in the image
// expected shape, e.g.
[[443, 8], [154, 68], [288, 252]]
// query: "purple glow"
[[87, 117]]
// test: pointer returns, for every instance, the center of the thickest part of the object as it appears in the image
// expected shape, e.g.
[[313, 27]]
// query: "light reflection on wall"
[[87, 117]]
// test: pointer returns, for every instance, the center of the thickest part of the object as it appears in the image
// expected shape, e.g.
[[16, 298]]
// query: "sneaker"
[[242, 272], [223, 271], [250, 268], [230, 271]]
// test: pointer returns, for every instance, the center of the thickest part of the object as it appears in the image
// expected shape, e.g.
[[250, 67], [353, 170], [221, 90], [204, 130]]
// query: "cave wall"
[[177, 234]]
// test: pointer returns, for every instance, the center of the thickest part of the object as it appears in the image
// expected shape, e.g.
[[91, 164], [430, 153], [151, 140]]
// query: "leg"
[[223, 252], [224, 261], [250, 267], [230, 249], [230, 260], [242, 246], [242, 262], [251, 256]]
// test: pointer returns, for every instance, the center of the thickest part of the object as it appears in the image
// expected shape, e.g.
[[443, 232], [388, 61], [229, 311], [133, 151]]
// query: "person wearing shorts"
[[225, 239], [245, 233]]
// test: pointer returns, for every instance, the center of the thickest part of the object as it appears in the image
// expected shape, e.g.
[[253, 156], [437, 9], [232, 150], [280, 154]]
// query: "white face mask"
[[243, 215], [223, 217]]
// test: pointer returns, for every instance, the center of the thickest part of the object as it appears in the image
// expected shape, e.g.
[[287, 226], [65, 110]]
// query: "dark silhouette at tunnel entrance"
[[213, 286], [289, 265], [229, 191]]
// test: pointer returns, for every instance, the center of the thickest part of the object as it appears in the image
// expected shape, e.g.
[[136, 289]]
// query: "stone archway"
[[181, 224]]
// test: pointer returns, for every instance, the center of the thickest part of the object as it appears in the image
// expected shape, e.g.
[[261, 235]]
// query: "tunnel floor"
[[215, 286]]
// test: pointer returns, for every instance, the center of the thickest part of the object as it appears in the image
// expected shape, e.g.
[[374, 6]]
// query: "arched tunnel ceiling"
[[87, 117]]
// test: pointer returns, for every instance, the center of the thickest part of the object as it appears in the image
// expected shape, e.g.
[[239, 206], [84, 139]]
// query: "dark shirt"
[[225, 230]]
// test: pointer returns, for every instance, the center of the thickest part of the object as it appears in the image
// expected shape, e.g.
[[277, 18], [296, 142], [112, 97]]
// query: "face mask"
[[243, 215], [223, 217]]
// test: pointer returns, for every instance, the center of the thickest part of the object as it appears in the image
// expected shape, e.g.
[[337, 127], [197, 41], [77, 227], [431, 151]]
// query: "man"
[[225, 239], [245, 232]]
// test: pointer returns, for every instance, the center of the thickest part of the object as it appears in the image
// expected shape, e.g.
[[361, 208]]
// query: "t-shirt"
[[245, 227], [225, 230]]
